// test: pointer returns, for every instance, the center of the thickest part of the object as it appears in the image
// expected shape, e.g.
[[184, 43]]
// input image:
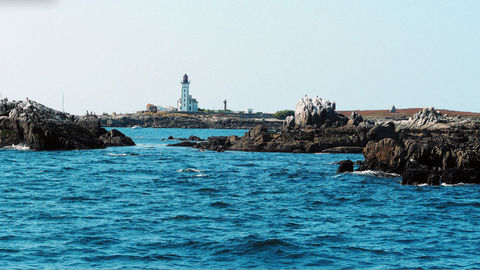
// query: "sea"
[[154, 206]]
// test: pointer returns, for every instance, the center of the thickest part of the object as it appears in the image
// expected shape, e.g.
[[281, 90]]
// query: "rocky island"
[[189, 120], [38, 127], [429, 148]]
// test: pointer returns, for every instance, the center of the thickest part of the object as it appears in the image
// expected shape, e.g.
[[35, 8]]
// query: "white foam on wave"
[[201, 175], [421, 185], [20, 147], [453, 185], [113, 154], [189, 170], [378, 174]]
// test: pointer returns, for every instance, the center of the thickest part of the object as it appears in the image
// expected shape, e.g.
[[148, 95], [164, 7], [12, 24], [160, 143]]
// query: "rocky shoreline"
[[428, 148], [38, 127], [178, 120]]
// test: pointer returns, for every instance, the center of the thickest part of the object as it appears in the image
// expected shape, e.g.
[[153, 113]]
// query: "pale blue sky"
[[118, 55]]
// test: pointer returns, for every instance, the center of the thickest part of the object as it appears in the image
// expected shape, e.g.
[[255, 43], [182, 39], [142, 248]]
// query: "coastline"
[[190, 120]]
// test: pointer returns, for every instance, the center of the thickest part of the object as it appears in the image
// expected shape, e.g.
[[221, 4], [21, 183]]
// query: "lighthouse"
[[185, 93], [186, 103]]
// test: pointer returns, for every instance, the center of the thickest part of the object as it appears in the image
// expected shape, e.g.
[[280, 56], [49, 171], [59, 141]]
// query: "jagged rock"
[[429, 118], [437, 152], [316, 112], [195, 138], [346, 139], [289, 122], [345, 166], [232, 139], [417, 174], [355, 119], [385, 155], [115, 138], [91, 123], [41, 128], [378, 132]]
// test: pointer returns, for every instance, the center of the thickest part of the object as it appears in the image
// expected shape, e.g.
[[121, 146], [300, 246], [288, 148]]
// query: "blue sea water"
[[169, 207]]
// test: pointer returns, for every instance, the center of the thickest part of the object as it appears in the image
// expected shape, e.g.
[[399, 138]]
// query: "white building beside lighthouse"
[[186, 103]]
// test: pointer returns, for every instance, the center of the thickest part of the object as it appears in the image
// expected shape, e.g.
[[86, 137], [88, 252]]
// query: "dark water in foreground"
[[182, 208]]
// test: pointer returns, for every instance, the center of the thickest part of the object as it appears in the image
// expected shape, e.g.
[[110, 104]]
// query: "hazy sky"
[[119, 55]]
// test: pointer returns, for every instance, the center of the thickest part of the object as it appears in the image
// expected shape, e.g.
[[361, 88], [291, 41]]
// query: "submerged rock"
[[184, 144], [345, 166]]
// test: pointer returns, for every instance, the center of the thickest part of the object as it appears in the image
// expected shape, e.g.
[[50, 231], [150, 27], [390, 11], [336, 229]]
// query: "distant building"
[[151, 108], [248, 110], [186, 103], [166, 108], [393, 109]]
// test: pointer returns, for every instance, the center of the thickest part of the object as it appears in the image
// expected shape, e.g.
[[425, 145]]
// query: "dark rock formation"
[[416, 174], [195, 138], [382, 131], [346, 139], [192, 138], [447, 155], [184, 144], [41, 128], [427, 149], [355, 119], [115, 138], [345, 166]]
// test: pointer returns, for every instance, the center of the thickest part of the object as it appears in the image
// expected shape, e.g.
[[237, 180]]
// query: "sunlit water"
[[167, 207]]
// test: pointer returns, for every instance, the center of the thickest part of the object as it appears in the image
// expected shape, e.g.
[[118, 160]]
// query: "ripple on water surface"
[[152, 206]]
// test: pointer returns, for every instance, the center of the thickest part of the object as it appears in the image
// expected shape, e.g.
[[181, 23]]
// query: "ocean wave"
[[189, 170], [20, 147], [219, 204], [207, 190], [378, 174]]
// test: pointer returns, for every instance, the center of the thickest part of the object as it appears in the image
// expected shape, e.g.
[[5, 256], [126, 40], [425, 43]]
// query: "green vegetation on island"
[[283, 114]]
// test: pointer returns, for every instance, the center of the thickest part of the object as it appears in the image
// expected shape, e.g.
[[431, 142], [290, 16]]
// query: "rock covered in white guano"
[[289, 122], [315, 112], [428, 118]]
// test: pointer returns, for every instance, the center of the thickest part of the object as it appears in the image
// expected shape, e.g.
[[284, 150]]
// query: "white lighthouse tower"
[[186, 103], [185, 93]]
